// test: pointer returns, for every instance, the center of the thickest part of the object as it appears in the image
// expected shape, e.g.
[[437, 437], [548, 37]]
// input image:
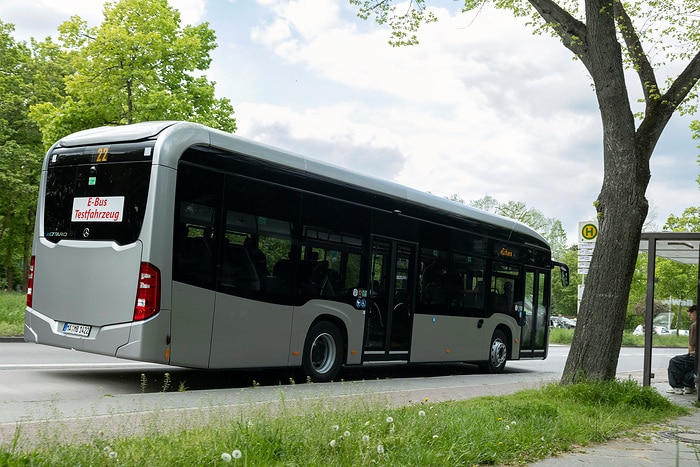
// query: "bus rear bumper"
[[104, 340]]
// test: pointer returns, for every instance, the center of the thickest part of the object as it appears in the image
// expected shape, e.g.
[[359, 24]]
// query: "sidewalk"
[[676, 443]]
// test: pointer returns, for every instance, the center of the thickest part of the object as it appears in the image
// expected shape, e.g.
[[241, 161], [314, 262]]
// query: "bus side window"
[[238, 274]]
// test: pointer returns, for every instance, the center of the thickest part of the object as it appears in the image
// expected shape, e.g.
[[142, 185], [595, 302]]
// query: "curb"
[[11, 339]]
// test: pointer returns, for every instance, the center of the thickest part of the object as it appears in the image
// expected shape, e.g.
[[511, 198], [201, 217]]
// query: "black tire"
[[498, 354], [323, 352]]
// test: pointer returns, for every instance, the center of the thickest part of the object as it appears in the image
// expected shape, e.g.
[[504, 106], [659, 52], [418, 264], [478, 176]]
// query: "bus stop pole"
[[697, 334], [649, 315]]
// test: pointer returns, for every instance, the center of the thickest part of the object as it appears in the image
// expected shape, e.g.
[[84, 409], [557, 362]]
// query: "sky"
[[480, 107]]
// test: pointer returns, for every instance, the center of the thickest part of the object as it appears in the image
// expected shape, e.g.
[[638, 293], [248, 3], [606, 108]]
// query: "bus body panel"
[[105, 340], [452, 338], [148, 340], [86, 283], [192, 321], [448, 338], [249, 334], [156, 234]]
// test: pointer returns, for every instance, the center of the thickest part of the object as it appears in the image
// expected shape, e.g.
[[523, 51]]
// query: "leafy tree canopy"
[[138, 65]]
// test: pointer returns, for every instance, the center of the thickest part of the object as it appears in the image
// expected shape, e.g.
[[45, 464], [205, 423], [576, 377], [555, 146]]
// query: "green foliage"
[[138, 65], [517, 429], [12, 313], [20, 155], [689, 221]]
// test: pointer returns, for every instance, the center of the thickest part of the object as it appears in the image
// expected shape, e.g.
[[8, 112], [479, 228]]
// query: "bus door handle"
[[480, 323]]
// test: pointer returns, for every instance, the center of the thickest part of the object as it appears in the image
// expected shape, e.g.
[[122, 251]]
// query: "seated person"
[[681, 368]]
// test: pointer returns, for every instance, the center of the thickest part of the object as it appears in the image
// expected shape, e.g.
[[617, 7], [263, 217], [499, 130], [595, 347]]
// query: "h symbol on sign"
[[589, 231]]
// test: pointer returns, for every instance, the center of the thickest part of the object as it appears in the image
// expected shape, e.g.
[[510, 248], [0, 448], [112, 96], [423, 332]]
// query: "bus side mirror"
[[564, 269]]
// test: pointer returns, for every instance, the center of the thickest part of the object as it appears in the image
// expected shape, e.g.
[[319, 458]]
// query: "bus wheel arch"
[[500, 350], [324, 350]]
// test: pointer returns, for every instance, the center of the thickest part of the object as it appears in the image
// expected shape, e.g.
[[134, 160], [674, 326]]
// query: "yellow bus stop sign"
[[588, 231]]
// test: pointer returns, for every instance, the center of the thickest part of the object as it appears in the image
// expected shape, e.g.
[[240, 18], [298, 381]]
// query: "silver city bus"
[[174, 243]]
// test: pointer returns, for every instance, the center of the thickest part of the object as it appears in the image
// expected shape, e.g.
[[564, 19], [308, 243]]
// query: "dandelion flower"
[[513, 422], [113, 455], [346, 434], [390, 419], [336, 427], [367, 423], [435, 436], [500, 419], [380, 449], [332, 443], [507, 427], [226, 457], [365, 438], [107, 449], [421, 413], [426, 400], [236, 454]]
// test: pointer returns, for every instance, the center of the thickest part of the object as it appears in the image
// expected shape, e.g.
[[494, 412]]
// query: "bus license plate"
[[77, 329]]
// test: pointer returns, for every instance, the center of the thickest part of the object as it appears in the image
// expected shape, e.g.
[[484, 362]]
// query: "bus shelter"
[[683, 247]]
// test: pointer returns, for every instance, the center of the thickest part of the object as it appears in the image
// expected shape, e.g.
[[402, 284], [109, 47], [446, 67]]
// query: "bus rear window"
[[97, 193]]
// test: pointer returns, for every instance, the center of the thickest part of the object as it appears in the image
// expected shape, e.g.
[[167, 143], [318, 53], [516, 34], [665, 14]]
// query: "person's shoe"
[[673, 390], [689, 391]]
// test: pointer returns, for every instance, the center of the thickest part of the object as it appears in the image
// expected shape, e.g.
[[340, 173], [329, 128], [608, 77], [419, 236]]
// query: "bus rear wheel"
[[323, 352], [498, 354]]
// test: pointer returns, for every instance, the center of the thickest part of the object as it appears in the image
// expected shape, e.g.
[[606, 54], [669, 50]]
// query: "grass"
[[565, 336], [12, 313], [513, 430]]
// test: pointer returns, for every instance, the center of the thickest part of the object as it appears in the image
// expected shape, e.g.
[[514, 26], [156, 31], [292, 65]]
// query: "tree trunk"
[[621, 205]]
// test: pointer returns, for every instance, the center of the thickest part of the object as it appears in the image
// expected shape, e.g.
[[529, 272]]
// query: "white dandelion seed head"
[[390, 419], [365, 438], [346, 434], [421, 413], [380, 449], [336, 427], [367, 423], [107, 449], [435, 436], [513, 422], [236, 454], [507, 427], [226, 457], [332, 443], [113, 455]]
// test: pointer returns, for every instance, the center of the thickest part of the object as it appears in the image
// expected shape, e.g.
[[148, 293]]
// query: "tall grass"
[[12, 313], [511, 430]]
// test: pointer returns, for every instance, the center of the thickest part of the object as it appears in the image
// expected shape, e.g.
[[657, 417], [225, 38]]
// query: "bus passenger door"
[[389, 315], [534, 333]]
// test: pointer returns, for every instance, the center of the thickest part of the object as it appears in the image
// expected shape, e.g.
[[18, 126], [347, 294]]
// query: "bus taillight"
[[30, 283], [148, 293]]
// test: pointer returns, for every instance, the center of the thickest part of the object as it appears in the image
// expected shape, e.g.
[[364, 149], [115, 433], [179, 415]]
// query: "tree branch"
[[571, 31], [659, 111], [636, 53]]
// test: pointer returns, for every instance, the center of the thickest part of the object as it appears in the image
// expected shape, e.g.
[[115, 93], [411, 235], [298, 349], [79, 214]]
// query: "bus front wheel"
[[498, 354], [323, 352]]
